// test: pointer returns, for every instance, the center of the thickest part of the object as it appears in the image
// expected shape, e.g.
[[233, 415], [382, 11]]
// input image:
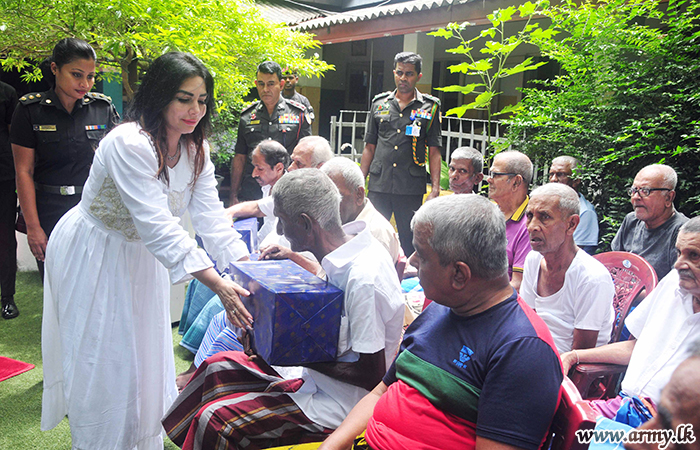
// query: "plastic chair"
[[572, 414], [631, 274]]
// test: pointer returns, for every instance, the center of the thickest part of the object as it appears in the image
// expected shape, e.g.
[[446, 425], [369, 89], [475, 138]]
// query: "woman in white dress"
[[106, 336]]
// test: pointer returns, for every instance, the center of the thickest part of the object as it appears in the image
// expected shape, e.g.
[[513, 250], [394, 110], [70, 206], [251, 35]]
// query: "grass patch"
[[20, 396]]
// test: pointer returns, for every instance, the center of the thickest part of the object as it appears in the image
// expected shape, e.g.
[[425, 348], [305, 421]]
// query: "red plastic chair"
[[631, 274], [572, 414]]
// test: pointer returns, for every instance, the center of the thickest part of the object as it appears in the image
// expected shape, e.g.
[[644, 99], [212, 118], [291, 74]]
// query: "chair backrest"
[[572, 414], [631, 273]]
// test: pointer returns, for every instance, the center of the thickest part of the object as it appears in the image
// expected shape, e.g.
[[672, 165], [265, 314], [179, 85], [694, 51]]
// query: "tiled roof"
[[375, 12]]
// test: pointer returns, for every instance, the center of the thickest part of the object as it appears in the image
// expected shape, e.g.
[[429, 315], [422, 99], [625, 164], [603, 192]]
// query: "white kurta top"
[[106, 336]]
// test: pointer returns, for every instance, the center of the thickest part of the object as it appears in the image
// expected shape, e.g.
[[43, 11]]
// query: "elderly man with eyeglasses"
[[509, 182], [650, 231]]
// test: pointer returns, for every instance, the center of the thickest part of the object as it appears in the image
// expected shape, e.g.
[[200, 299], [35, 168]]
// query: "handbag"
[[20, 224]]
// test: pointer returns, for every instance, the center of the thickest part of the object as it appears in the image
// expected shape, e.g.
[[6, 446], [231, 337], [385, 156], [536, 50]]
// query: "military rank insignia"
[[95, 127], [289, 118]]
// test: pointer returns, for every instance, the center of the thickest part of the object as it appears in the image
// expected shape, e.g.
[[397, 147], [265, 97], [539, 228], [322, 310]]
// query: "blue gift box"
[[248, 229], [296, 314]]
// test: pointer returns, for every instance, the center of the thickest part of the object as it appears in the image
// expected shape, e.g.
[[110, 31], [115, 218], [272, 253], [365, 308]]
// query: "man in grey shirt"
[[650, 231]]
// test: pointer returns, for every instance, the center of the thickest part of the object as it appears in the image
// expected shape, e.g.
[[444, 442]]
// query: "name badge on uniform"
[[255, 122], [289, 118], [413, 130], [383, 112], [95, 127], [44, 127]]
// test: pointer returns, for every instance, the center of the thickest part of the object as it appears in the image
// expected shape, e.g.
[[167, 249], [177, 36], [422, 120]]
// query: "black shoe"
[[9, 309]]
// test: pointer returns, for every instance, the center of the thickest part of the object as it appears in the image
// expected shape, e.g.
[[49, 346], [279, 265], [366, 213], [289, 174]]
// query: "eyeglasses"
[[559, 175], [644, 191], [495, 174]]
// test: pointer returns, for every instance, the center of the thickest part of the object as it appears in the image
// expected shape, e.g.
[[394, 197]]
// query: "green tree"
[[497, 45], [628, 95], [229, 36]]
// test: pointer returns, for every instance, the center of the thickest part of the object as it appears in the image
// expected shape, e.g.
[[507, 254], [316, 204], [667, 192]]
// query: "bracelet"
[[577, 359]]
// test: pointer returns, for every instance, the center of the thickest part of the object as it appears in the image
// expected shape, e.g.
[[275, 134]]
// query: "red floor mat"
[[11, 367]]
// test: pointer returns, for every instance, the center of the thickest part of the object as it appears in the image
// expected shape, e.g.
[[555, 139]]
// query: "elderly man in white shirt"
[[307, 206], [354, 205], [570, 290], [663, 325]]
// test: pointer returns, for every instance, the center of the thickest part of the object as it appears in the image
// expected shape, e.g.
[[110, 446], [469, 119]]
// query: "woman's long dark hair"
[[158, 88], [66, 51]]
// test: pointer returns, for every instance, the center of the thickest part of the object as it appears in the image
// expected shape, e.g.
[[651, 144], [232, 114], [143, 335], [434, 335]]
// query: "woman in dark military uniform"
[[54, 135]]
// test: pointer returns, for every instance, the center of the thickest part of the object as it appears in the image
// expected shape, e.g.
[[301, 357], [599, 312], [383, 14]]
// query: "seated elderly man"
[[354, 205], [311, 151], [679, 406], [562, 171], [570, 290], [477, 369], [466, 164], [234, 402], [270, 161], [347, 177], [509, 182], [650, 230], [662, 326]]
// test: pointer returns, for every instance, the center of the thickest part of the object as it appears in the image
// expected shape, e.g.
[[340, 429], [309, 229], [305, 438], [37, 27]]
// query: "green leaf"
[[484, 98], [457, 111], [468, 89], [489, 32], [461, 50], [442, 32], [523, 66], [509, 109], [527, 9], [465, 67]]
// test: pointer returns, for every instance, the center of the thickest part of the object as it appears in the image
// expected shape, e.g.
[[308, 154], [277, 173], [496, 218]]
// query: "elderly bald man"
[[650, 231], [509, 181], [564, 169], [569, 289]]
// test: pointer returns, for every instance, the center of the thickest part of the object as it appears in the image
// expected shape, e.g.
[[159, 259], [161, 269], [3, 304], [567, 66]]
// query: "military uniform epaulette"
[[31, 98], [250, 106], [97, 96], [296, 104], [432, 98], [383, 94]]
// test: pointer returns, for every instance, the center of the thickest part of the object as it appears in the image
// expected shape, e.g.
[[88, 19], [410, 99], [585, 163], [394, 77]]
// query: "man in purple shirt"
[[509, 179]]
